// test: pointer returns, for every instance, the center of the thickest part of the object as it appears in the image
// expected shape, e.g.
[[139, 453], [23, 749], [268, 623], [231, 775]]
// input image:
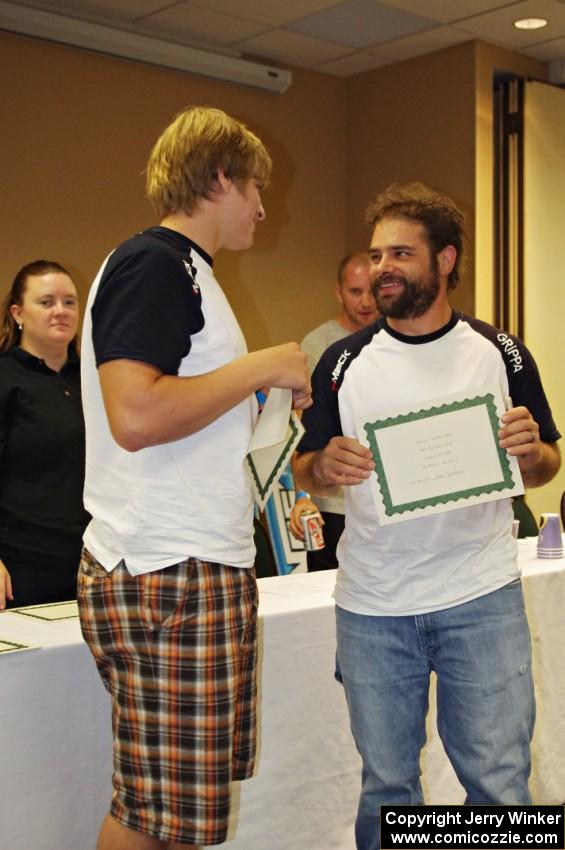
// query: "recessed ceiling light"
[[530, 23]]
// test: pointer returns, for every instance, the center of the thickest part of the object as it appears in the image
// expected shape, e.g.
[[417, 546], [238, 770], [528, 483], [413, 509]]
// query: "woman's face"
[[48, 314]]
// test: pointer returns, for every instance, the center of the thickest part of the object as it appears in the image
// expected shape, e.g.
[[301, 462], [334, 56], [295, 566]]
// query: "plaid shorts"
[[177, 650]]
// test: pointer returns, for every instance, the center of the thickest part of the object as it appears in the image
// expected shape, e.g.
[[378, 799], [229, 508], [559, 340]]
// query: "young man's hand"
[[5, 587]]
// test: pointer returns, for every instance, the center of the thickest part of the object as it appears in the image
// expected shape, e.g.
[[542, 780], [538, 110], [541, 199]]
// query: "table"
[[55, 725], [544, 593]]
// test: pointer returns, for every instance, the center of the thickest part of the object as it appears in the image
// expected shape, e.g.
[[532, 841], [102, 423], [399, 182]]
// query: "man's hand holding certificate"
[[440, 456], [274, 439]]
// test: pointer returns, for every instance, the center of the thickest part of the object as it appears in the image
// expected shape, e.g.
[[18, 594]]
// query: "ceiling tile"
[[188, 21], [421, 43], [273, 12], [445, 10], [548, 51], [292, 48], [355, 63], [339, 35], [359, 23], [100, 11], [498, 25]]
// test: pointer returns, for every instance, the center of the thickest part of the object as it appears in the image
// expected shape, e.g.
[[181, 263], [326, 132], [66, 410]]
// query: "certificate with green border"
[[440, 457], [49, 612], [268, 463], [274, 439]]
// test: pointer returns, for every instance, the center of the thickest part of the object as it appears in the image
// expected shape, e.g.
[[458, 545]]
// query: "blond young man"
[[167, 596]]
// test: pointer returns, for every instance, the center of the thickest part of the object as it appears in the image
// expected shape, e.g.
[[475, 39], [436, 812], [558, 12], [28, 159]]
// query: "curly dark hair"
[[442, 220]]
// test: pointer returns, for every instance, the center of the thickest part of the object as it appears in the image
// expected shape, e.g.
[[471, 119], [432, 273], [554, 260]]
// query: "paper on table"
[[50, 612], [440, 457], [10, 646], [276, 436]]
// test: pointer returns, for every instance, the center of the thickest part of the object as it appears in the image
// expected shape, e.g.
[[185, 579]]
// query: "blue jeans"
[[481, 654]]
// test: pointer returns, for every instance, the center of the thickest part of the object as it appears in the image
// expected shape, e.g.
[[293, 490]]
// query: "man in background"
[[354, 292], [358, 308], [167, 593]]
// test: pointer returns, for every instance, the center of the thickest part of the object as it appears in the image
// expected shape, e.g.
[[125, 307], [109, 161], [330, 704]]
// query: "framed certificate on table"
[[440, 457]]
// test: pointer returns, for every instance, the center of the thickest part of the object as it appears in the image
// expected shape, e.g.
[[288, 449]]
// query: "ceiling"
[[340, 37]]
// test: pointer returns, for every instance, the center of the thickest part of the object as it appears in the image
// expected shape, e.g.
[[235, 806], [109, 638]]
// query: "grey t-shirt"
[[314, 344]]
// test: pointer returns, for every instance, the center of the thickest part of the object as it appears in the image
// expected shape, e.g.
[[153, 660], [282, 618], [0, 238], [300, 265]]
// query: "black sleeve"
[[321, 421], [526, 389], [145, 309], [524, 382]]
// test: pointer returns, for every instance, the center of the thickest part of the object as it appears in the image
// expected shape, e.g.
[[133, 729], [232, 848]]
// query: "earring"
[[20, 327]]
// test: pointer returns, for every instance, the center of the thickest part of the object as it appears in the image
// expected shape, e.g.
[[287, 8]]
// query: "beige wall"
[[430, 119], [76, 131], [544, 254], [414, 120]]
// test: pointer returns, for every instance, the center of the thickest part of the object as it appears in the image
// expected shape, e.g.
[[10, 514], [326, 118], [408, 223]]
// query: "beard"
[[416, 297]]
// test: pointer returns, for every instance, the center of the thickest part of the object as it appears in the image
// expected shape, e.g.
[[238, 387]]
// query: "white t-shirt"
[[156, 300], [427, 563]]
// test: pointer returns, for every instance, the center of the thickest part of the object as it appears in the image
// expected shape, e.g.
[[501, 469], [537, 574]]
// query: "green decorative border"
[[10, 647], [264, 489], [29, 612], [371, 429]]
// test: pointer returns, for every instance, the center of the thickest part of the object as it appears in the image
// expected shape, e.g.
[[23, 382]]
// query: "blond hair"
[[184, 163]]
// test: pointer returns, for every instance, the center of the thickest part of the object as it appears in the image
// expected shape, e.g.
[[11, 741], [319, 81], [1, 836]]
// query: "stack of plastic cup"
[[550, 541]]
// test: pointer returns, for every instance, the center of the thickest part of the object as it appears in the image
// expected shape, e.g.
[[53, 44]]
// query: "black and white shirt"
[[432, 562], [156, 300]]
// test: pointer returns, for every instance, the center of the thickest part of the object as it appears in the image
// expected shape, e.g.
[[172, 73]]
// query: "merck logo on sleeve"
[[511, 350], [338, 367], [191, 271]]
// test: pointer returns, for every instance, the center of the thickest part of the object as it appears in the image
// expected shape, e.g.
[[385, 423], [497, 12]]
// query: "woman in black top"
[[42, 517]]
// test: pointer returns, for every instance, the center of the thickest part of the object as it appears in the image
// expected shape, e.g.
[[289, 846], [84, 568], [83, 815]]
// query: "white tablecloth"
[[55, 745]]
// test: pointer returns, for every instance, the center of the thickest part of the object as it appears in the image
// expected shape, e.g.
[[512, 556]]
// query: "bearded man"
[[438, 592]]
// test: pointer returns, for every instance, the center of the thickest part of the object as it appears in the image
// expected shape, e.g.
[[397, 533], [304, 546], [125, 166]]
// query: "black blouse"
[[41, 447]]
